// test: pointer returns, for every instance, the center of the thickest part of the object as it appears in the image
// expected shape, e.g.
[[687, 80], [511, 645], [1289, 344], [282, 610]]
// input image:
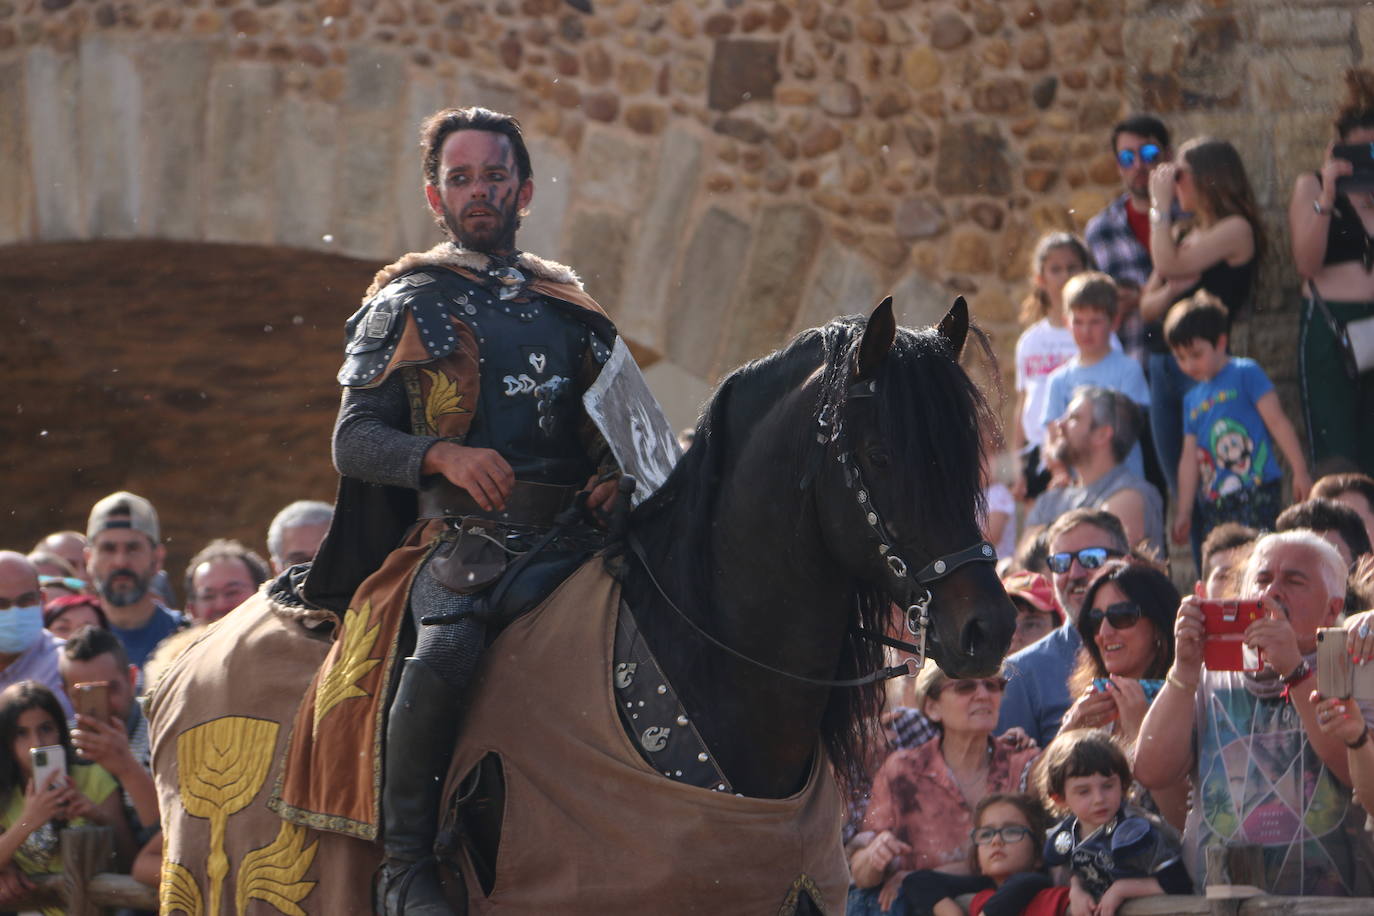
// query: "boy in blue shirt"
[[1091, 302], [1232, 421]]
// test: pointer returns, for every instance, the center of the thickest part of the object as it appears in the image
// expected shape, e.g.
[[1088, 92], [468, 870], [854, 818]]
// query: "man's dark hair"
[[1334, 485], [1100, 519], [227, 549], [1327, 515], [436, 128], [1201, 316], [1226, 536], [1082, 752], [1142, 125], [93, 642]]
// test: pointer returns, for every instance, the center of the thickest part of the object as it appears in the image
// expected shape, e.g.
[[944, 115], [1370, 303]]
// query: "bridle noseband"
[[910, 592]]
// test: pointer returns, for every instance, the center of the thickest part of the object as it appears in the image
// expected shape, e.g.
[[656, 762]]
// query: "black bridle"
[[909, 591]]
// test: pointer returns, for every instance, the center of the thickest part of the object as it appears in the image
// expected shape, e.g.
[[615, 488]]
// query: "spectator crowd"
[[1131, 729]]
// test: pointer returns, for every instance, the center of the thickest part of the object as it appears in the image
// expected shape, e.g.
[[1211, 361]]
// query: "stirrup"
[[400, 886]]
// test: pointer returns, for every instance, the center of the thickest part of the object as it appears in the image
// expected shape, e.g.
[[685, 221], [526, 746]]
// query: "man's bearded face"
[[480, 192]]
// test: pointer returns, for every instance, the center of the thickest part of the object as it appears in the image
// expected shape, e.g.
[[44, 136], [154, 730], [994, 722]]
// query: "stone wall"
[[722, 172]]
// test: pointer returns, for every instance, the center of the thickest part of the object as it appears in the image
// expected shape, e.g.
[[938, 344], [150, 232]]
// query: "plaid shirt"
[[908, 728], [1119, 253]]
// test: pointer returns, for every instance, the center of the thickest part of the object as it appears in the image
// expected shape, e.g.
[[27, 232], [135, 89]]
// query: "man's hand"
[[1182, 525], [482, 472], [1274, 636], [1189, 633], [13, 885], [600, 496], [105, 743]]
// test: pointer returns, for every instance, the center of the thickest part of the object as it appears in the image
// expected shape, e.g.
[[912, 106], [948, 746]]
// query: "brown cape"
[[589, 827], [218, 722], [333, 772]]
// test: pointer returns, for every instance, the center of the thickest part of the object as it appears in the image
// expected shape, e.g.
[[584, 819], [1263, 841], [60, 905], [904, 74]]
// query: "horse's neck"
[[773, 596]]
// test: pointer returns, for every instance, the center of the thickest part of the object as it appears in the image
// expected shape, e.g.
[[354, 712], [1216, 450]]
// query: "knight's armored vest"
[[531, 357]]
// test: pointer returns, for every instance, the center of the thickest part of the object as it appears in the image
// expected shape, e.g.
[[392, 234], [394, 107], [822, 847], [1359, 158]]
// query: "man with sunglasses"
[[1037, 693], [27, 651], [1119, 236]]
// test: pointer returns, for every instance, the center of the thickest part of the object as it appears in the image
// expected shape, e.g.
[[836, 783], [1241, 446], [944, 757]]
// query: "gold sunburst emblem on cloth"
[[444, 398], [340, 682]]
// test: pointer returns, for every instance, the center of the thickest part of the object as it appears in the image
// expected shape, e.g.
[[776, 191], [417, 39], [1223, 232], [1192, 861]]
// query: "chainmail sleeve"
[[369, 439]]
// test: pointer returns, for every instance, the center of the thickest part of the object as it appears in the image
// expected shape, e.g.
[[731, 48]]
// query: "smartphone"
[[1337, 676], [46, 761], [1151, 687], [1361, 156], [1224, 623], [92, 699]]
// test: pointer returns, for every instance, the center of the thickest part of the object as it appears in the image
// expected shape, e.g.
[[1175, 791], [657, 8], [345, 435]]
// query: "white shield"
[[629, 416]]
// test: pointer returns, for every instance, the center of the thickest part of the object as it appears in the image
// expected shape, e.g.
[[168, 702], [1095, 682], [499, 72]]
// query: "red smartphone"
[[1224, 623]]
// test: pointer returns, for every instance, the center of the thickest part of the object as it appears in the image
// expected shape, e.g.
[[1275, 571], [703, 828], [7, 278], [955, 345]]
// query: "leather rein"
[[913, 590]]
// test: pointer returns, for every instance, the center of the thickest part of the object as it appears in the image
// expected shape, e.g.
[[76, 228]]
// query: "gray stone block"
[[844, 285], [14, 174], [175, 78], [415, 228], [919, 302], [50, 83], [372, 110], [711, 269], [110, 107], [786, 240], [542, 231], [598, 240], [242, 142], [613, 170], [659, 240], [307, 173]]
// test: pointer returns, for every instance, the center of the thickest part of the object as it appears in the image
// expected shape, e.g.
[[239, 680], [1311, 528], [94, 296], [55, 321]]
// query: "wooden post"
[[85, 853]]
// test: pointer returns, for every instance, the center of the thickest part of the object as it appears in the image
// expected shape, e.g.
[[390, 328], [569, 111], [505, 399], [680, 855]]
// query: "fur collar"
[[448, 254]]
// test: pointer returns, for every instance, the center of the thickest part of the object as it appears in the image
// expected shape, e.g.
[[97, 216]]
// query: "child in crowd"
[[31, 717], [1090, 299], [1232, 420], [1044, 346], [1113, 851]]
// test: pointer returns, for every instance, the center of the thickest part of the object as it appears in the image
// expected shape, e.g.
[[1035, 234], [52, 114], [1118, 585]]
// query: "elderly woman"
[[923, 798], [1127, 627]]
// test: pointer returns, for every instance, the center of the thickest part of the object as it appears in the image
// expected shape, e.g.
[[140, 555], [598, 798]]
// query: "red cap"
[[1033, 588]]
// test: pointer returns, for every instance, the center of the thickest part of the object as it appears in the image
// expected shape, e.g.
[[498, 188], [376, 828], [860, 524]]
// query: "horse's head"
[[901, 488]]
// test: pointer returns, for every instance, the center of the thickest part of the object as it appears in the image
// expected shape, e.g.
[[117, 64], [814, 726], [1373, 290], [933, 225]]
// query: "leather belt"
[[533, 504]]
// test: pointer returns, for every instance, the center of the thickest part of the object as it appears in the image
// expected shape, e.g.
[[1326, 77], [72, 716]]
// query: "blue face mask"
[[19, 627]]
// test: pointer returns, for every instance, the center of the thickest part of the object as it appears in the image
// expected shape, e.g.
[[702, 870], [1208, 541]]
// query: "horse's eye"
[[879, 459]]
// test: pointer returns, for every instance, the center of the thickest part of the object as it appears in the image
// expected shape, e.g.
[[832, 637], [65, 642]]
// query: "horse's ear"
[[954, 326], [878, 335]]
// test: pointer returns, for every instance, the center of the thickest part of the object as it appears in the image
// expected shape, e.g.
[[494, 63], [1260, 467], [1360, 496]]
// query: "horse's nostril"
[[972, 638]]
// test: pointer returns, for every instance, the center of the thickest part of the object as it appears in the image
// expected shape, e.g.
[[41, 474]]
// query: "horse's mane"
[[931, 416]]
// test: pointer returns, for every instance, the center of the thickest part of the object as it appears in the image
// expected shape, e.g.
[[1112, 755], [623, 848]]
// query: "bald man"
[[27, 651]]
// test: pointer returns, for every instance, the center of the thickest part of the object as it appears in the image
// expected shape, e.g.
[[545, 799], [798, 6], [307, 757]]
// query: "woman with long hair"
[[1333, 249], [1218, 247], [31, 815], [1127, 627]]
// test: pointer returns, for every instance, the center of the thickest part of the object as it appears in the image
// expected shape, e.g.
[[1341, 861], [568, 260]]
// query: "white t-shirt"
[[1000, 500], [1040, 350]]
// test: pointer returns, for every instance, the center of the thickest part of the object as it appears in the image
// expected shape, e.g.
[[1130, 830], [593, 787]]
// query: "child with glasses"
[[1232, 421], [1114, 851]]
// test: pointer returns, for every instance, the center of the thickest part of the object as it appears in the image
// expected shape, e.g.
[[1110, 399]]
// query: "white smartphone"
[[46, 761]]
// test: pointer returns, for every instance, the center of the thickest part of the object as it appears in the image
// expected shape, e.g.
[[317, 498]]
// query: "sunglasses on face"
[[28, 599], [1088, 558], [1122, 616], [67, 582], [967, 688], [1012, 833], [1149, 154]]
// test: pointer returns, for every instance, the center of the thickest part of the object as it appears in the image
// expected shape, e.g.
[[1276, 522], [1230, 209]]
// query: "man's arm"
[[107, 743], [1187, 488], [1018, 703]]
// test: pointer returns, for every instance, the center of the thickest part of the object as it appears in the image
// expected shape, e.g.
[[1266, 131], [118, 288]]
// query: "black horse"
[[822, 478]]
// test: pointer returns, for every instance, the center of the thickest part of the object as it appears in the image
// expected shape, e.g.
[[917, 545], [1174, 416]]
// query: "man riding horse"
[[461, 436]]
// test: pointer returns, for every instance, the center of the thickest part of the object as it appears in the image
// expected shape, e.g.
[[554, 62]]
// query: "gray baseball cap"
[[124, 510]]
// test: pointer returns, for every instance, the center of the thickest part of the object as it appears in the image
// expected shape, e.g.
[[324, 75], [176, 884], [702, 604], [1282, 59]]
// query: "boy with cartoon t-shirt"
[[1232, 421]]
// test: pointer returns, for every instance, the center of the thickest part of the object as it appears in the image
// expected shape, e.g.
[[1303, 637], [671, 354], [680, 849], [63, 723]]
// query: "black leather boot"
[[420, 734]]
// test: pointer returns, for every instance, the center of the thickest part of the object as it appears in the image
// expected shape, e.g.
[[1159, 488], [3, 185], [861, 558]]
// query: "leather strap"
[[532, 504]]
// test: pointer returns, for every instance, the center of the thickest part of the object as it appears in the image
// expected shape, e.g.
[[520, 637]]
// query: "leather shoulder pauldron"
[[375, 330]]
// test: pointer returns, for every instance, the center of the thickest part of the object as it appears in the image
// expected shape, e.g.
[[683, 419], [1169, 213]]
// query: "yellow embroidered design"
[[273, 873], [223, 763], [443, 399], [340, 682], [179, 891]]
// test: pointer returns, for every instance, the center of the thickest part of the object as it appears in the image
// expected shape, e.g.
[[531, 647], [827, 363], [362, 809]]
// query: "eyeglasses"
[[28, 599], [67, 582], [1012, 833], [1088, 558], [966, 688], [1149, 154], [1122, 616]]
